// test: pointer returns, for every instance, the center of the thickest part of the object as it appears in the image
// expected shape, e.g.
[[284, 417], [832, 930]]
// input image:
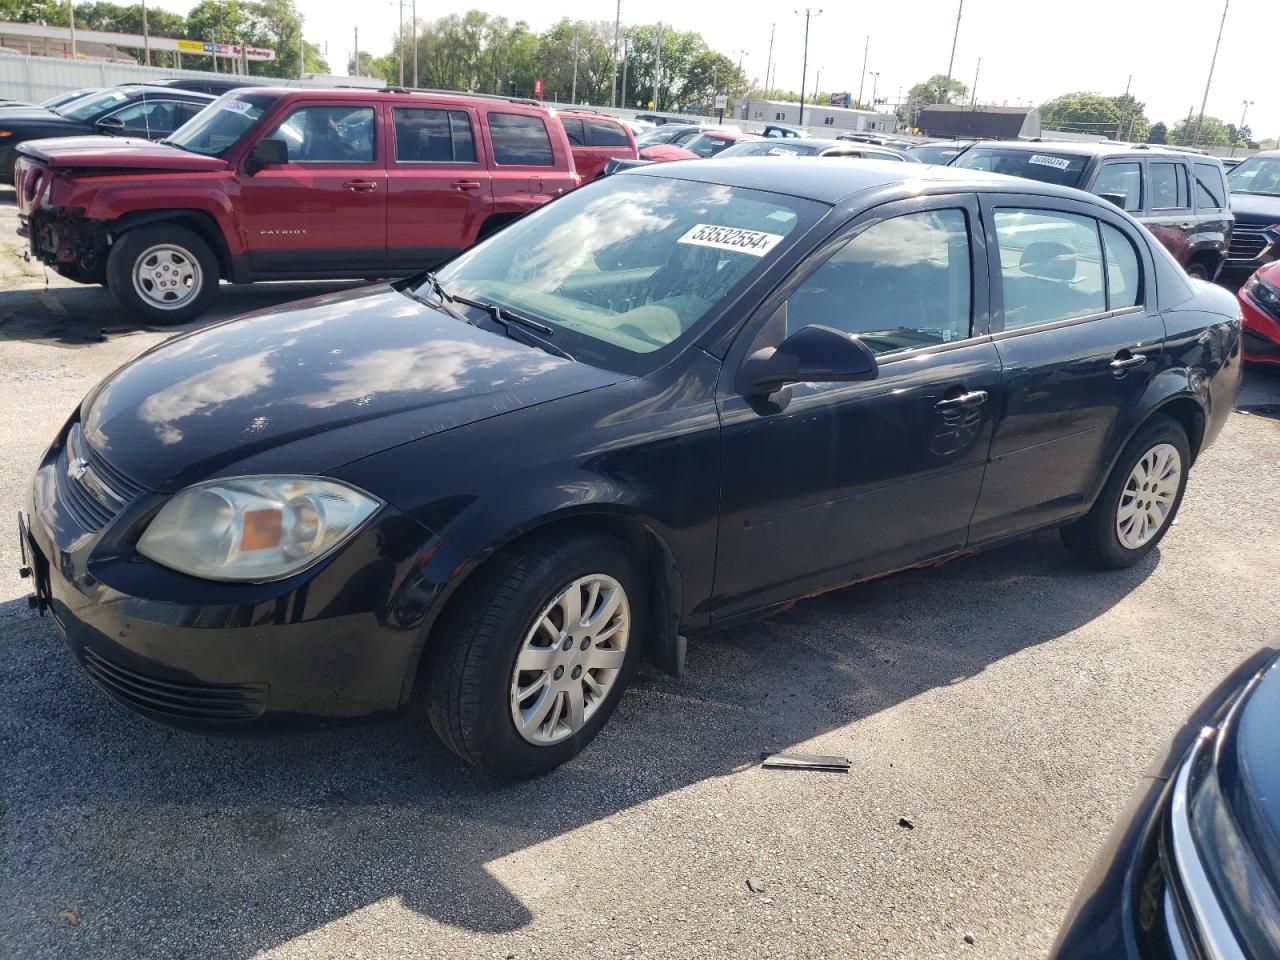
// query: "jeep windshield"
[[219, 126], [626, 270], [1046, 166], [1259, 176]]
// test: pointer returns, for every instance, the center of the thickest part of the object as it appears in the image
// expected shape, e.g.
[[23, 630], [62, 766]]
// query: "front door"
[[440, 190], [324, 213], [1079, 338], [829, 483]]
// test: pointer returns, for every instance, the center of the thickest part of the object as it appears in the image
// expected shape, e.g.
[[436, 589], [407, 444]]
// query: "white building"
[[816, 116]]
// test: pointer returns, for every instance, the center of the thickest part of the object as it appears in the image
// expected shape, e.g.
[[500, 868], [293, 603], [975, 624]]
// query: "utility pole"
[[622, 94], [302, 51], [768, 64], [875, 83], [357, 56], [946, 94], [613, 75], [1239, 135], [400, 40], [71, 11], [973, 95], [146, 36], [413, 15], [573, 95], [657, 66], [1212, 63], [1120, 122], [863, 82], [804, 69]]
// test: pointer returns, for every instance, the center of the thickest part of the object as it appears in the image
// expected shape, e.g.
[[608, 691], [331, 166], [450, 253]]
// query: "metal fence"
[[39, 78]]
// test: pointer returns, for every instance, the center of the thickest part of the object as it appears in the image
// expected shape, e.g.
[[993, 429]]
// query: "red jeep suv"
[[276, 184]]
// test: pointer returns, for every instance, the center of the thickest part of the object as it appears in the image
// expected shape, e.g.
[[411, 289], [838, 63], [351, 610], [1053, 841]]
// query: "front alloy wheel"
[[570, 659]]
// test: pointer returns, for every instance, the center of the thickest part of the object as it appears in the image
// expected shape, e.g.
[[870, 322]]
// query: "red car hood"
[[662, 152], [121, 153]]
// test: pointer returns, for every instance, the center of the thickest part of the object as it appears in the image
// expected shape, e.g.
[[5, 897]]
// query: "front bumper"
[[341, 640], [1261, 332]]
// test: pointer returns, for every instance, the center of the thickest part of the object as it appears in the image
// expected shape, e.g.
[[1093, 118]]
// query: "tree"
[[1213, 133], [1159, 133], [1081, 113], [1239, 137], [932, 90], [1134, 125]]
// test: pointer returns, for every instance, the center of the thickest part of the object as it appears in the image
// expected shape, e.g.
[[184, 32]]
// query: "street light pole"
[[71, 11], [146, 36], [613, 75], [875, 83], [400, 40], [946, 94], [768, 64], [804, 69], [863, 82], [1239, 130], [1212, 63], [413, 17], [573, 93]]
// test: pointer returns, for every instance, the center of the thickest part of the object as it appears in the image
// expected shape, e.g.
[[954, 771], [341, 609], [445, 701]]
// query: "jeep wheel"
[[1197, 270], [164, 274]]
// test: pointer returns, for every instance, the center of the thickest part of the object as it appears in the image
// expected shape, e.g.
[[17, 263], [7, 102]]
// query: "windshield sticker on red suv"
[[1058, 163], [731, 238]]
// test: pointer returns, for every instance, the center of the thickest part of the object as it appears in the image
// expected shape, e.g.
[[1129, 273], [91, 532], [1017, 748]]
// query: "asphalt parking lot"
[[1006, 705]]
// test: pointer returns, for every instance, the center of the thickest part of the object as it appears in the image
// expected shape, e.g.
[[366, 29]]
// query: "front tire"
[[164, 274], [530, 663], [1197, 270], [1140, 500]]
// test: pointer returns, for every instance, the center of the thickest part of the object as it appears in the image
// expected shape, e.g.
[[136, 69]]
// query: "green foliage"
[[1159, 133], [1123, 117], [931, 91], [1213, 133]]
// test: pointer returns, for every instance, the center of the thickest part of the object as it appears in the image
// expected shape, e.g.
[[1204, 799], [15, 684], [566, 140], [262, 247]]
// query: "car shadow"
[[263, 839]]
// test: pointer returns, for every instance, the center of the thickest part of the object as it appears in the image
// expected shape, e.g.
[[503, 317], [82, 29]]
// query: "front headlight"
[[254, 528], [1263, 293]]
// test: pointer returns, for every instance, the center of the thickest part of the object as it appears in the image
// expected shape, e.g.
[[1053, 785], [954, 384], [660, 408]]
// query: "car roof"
[[1078, 149], [813, 178], [588, 115], [151, 88], [402, 96]]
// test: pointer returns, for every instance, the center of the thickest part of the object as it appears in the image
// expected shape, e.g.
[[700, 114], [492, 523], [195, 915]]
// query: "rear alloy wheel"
[[529, 661], [1197, 270], [164, 274], [1139, 501]]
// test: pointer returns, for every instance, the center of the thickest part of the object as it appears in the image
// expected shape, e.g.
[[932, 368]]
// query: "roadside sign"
[[722, 102], [537, 89]]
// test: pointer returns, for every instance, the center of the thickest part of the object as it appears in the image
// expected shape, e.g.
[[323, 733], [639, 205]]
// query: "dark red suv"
[[272, 184]]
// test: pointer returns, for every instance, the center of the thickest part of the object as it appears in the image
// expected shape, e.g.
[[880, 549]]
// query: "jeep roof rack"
[[462, 93]]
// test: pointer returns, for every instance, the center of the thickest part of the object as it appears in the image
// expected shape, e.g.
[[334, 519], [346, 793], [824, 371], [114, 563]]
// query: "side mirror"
[[813, 354], [267, 152], [1119, 199], [109, 125]]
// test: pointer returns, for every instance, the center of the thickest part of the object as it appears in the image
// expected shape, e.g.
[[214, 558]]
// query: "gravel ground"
[[1006, 704]]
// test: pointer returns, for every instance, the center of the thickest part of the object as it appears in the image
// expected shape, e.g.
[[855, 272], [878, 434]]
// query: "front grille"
[[1247, 245], [92, 490], [178, 701]]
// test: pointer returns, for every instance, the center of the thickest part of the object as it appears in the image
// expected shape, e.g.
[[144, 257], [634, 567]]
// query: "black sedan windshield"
[[1257, 175], [86, 108], [631, 264], [219, 126], [1046, 166]]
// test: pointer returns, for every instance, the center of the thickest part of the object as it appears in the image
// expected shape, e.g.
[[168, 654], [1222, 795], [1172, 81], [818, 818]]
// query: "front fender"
[[127, 199]]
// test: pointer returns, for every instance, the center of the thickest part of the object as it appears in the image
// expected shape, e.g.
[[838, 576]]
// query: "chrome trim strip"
[[1211, 923], [1173, 927]]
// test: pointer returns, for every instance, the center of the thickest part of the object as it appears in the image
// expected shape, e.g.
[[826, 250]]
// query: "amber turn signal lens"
[[262, 529]]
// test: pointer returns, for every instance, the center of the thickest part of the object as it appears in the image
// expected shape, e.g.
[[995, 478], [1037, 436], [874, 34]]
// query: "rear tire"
[[164, 274], [512, 615], [1197, 270], [1140, 500]]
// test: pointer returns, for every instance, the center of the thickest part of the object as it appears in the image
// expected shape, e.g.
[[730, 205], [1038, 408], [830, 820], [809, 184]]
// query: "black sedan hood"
[[1249, 771], [35, 116], [1255, 210], [311, 386]]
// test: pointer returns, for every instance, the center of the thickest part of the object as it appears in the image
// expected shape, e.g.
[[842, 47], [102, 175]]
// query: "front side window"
[[602, 133], [1169, 187], [328, 134], [520, 140], [149, 119], [898, 285], [1045, 166], [632, 265], [219, 126], [1122, 178], [433, 136], [1210, 190], [1257, 175], [1050, 267]]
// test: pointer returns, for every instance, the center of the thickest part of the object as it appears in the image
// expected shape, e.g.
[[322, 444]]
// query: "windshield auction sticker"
[[1058, 163], [731, 238]]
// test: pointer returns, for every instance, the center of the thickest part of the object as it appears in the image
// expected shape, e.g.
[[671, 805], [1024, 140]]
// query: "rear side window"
[[1210, 188], [1050, 267], [520, 140], [328, 134], [433, 136], [1124, 275], [876, 155], [1124, 178], [900, 284], [575, 131], [601, 133], [1169, 187]]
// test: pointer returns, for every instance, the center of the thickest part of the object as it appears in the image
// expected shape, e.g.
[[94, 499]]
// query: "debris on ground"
[[969, 939], [754, 885], [70, 916], [806, 761], [908, 824]]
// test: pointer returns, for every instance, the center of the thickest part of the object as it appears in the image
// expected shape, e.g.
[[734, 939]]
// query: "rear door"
[[529, 166], [1169, 216], [605, 141], [1079, 338], [324, 212], [439, 186]]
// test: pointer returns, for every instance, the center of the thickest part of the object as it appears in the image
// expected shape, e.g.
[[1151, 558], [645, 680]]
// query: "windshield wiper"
[[508, 319]]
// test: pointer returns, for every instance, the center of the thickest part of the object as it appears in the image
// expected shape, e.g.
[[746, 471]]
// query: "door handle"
[[361, 184], [970, 399], [466, 184], [1123, 363]]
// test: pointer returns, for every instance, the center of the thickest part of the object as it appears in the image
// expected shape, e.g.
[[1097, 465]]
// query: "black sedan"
[[1194, 869], [666, 403], [131, 110]]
